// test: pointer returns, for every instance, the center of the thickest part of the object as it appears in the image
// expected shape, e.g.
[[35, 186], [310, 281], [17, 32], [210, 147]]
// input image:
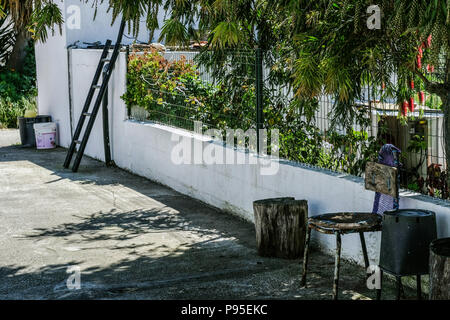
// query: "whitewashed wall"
[[145, 149], [52, 81], [54, 60]]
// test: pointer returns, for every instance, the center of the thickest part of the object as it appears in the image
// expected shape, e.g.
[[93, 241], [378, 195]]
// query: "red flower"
[[404, 108], [421, 97], [421, 51], [429, 40], [411, 84], [419, 62], [430, 68], [411, 104]]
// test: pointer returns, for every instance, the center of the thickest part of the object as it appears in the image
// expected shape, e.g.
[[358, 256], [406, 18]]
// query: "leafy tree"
[[322, 46], [338, 54], [31, 18]]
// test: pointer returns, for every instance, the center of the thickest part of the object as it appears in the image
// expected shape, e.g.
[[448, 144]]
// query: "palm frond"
[[7, 38]]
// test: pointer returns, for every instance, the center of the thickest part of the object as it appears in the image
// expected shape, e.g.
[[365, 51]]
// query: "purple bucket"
[[45, 135]]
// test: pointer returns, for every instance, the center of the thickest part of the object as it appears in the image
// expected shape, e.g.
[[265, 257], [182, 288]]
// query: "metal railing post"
[[259, 96]]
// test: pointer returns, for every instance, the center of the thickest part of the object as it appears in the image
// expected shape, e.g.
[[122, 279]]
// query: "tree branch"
[[431, 87], [422, 77]]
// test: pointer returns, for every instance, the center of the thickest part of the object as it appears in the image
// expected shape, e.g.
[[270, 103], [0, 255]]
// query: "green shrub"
[[15, 85], [173, 93], [11, 110], [18, 91]]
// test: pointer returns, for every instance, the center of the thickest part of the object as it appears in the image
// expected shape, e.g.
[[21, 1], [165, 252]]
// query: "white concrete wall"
[[145, 149], [234, 187], [52, 82], [53, 60]]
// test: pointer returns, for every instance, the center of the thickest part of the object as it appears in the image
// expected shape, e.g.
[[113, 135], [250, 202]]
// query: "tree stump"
[[281, 227], [440, 269]]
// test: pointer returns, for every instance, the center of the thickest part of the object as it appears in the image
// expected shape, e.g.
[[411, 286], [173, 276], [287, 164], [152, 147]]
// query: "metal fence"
[[240, 95], [208, 100]]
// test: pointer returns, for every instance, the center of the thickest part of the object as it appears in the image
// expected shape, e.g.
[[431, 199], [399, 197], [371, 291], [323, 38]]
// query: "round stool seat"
[[346, 222]]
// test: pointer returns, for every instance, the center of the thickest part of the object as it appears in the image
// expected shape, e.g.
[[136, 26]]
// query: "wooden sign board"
[[382, 179]]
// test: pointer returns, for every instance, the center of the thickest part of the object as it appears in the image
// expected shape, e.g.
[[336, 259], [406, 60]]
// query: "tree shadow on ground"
[[213, 266], [213, 255]]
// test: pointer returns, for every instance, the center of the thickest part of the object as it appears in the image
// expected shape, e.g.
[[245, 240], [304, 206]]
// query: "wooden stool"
[[380, 177], [340, 224]]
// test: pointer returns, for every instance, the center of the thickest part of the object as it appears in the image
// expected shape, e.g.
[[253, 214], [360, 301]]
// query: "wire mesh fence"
[[180, 93], [220, 91]]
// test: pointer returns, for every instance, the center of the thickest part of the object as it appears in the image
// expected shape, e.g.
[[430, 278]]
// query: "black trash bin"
[[405, 241], [27, 137]]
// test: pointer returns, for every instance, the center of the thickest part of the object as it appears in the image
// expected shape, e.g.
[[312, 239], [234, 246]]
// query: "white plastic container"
[[45, 135]]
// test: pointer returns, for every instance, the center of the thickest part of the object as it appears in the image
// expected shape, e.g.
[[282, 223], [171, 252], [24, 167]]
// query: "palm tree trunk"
[[17, 58]]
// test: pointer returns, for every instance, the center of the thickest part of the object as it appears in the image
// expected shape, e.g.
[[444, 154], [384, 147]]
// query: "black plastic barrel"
[[405, 241], [27, 137]]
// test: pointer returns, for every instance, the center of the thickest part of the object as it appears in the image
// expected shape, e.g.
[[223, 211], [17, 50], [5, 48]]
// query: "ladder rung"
[[96, 86], [77, 141], [106, 60], [87, 114]]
